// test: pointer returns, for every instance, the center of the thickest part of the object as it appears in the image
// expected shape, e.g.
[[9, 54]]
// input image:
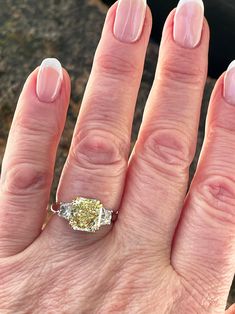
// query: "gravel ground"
[[31, 30]]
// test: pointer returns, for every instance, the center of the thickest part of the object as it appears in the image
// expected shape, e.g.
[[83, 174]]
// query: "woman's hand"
[[166, 253]]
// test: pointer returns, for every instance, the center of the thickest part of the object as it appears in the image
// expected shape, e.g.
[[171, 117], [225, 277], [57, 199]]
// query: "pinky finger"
[[27, 169]]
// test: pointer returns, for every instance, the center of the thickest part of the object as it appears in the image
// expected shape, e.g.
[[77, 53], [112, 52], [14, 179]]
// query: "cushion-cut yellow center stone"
[[85, 214]]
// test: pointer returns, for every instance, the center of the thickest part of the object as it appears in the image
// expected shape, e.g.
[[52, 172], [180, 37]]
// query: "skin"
[[167, 252]]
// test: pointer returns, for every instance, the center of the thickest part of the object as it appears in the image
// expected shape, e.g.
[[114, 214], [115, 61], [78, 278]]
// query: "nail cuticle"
[[129, 20], [229, 84], [188, 23], [49, 80]]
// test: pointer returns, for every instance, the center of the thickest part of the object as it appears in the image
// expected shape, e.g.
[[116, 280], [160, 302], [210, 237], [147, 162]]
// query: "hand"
[[166, 253]]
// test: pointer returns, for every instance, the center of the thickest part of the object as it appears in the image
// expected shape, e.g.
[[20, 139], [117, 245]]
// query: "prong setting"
[[84, 214]]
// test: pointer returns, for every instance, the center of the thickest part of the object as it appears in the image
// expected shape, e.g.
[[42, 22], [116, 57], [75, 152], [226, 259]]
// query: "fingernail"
[[188, 23], [49, 79], [129, 20], [229, 84]]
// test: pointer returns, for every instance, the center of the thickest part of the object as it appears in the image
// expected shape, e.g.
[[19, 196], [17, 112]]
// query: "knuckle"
[[115, 66], [32, 125], [183, 71], [102, 113], [99, 148], [167, 149], [218, 129], [25, 178], [218, 193]]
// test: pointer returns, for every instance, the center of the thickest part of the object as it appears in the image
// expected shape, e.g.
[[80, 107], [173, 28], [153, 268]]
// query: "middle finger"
[[158, 171]]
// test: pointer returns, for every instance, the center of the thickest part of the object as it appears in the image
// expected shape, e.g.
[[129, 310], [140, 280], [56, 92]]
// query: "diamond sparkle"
[[85, 214]]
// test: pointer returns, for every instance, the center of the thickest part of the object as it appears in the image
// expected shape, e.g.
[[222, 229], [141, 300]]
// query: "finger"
[[231, 310], [204, 250], [27, 169], [97, 162], [159, 166]]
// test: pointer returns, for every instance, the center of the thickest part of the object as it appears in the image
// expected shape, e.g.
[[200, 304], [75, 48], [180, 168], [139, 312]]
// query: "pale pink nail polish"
[[129, 20], [188, 23], [49, 79], [229, 84]]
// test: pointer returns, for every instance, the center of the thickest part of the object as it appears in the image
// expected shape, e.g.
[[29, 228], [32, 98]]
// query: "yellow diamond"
[[85, 214]]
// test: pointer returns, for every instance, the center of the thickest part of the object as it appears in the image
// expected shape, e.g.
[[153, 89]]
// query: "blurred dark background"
[[31, 30], [221, 18]]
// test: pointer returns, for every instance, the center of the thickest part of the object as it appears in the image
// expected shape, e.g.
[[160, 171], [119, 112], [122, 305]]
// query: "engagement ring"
[[84, 214]]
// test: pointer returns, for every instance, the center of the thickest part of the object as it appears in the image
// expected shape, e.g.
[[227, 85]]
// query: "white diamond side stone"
[[65, 211], [106, 217]]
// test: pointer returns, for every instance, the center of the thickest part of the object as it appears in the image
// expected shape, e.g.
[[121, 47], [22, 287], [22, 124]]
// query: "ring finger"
[[97, 161]]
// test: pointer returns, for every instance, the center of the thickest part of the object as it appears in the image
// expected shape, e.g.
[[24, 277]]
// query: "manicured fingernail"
[[49, 79], [229, 84], [129, 20], [188, 23]]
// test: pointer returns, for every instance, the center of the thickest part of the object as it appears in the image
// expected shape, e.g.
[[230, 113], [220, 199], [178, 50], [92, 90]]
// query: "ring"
[[84, 214]]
